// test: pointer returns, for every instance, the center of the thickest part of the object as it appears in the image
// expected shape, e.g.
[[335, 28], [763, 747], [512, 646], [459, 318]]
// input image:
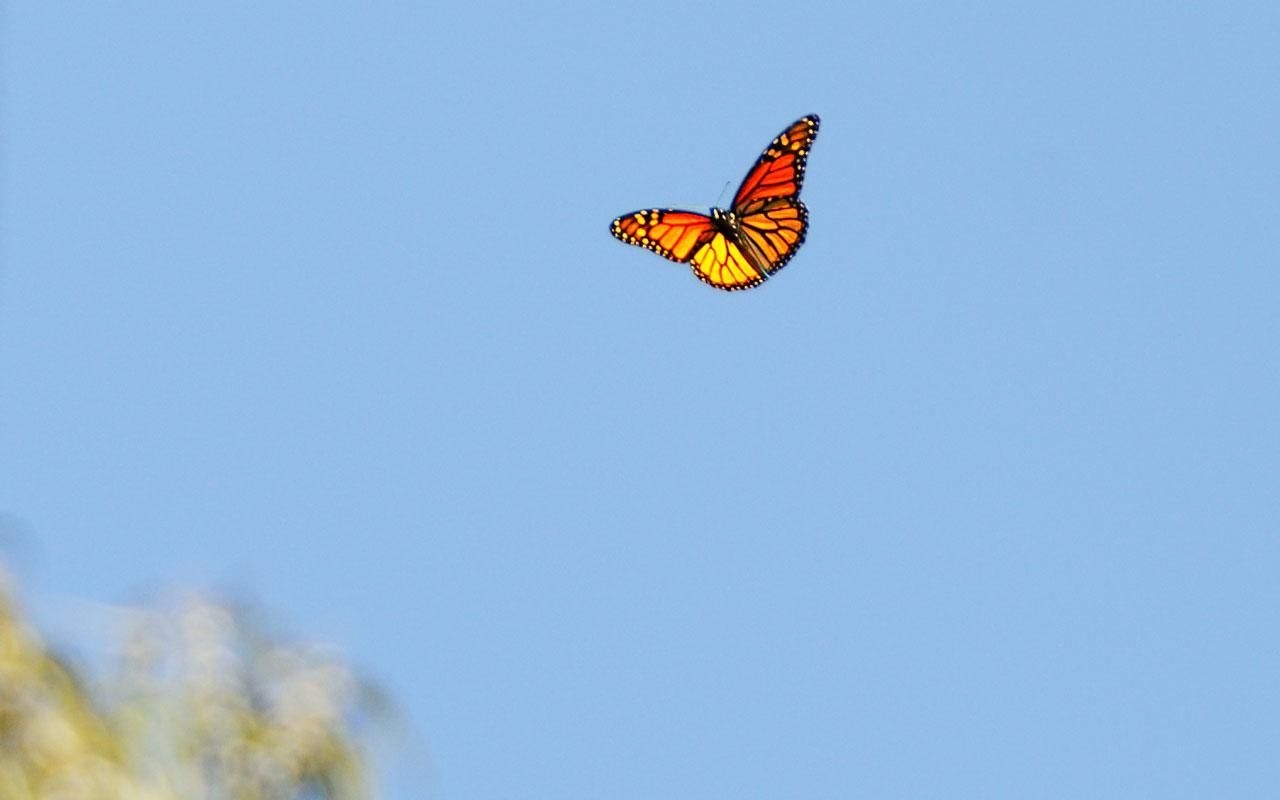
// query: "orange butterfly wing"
[[669, 233], [779, 172], [774, 231]]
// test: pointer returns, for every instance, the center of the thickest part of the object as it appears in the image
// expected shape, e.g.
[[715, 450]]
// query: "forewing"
[[779, 172], [669, 233], [774, 232]]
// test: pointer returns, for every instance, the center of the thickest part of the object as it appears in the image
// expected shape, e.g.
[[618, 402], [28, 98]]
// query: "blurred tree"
[[197, 704]]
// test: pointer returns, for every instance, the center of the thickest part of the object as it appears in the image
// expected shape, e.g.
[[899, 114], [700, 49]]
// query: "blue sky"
[[977, 498]]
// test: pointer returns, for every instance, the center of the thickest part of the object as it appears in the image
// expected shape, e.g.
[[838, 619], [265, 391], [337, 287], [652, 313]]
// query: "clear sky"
[[979, 497]]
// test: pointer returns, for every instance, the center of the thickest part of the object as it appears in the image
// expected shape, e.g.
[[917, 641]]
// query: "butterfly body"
[[728, 224], [741, 246]]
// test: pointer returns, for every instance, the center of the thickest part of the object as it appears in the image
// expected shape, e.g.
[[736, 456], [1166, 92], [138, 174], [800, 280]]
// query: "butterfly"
[[743, 245]]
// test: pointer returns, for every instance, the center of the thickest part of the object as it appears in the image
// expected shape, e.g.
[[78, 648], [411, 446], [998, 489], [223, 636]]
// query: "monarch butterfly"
[[738, 247]]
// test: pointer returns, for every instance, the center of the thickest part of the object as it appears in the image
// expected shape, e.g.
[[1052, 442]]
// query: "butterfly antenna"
[[722, 191]]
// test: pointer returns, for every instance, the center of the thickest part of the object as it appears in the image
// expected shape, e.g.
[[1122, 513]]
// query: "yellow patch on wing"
[[723, 265]]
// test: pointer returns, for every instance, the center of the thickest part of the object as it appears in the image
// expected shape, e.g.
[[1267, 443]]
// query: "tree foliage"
[[195, 703]]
